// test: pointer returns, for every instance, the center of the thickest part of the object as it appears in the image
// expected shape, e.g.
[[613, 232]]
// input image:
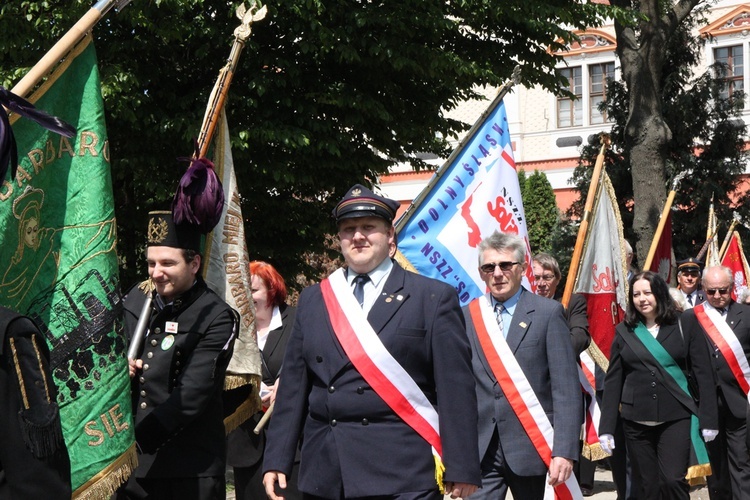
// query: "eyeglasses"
[[712, 291], [505, 267], [546, 278]]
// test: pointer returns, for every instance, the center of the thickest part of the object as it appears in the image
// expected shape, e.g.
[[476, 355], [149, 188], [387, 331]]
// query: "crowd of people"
[[382, 386]]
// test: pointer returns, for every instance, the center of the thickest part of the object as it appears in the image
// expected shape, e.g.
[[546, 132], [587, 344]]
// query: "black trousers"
[[660, 456], [178, 488], [730, 461], [411, 495]]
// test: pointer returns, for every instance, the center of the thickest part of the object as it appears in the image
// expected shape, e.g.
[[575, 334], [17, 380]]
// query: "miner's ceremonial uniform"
[[177, 402], [177, 397]]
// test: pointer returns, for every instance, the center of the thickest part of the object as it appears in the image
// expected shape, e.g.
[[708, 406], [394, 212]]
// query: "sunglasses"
[[712, 291], [504, 266]]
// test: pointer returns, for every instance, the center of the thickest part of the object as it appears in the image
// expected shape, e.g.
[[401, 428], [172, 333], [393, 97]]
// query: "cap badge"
[[356, 192], [157, 230]]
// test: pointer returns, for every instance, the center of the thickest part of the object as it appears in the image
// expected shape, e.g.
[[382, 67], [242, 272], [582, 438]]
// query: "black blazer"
[[578, 322], [179, 421], [738, 319], [638, 392], [353, 442], [244, 447]]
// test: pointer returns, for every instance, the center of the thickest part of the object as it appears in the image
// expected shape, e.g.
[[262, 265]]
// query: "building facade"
[[547, 131]]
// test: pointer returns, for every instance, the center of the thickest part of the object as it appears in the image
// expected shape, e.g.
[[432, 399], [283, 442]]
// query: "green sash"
[[653, 354]]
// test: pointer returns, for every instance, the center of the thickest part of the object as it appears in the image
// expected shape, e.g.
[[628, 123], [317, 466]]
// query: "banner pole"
[[583, 229], [65, 44], [662, 221]]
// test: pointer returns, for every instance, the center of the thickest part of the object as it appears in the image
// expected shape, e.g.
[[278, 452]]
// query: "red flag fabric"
[[734, 259], [662, 261], [602, 278]]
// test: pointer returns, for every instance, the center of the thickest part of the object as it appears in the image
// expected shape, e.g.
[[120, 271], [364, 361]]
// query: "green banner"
[[59, 266]]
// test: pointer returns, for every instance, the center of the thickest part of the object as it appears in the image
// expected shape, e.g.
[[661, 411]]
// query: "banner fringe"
[[104, 484], [247, 409], [696, 474], [593, 452]]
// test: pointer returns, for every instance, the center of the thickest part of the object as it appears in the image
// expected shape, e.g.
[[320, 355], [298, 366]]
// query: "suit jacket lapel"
[[390, 300], [734, 316], [664, 332], [274, 336], [519, 326]]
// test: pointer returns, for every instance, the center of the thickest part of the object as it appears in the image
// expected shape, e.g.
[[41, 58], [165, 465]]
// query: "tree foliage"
[[706, 143], [540, 208], [328, 93]]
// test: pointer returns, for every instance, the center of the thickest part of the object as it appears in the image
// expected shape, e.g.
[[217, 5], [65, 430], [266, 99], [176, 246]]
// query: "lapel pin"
[[522, 324], [399, 297], [389, 299]]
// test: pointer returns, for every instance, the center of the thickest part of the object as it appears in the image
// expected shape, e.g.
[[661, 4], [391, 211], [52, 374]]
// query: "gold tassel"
[[696, 474], [439, 471], [146, 286], [106, 482], [593, 452]]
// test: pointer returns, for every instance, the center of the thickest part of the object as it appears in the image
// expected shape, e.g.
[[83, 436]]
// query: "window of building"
[[570, 111], [598, 76], [732, 70]]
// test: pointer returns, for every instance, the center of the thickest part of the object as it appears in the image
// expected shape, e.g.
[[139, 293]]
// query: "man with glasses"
[[689, 281], [726, 327], [547, 276], [520, 345]]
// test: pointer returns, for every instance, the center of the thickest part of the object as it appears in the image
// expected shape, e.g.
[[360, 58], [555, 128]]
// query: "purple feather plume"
[[199, 199], [19, 105]]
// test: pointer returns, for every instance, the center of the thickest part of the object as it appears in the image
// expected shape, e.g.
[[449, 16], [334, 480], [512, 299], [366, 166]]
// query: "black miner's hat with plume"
[[19, 105]]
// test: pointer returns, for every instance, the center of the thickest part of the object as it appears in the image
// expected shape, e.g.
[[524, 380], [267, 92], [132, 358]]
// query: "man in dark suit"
[[547, 276], [178, 377], [34, 462], [730, 461], [689, 281], [539, 339], [356, 443]]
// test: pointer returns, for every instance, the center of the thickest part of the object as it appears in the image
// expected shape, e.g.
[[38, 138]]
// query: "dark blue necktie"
[[359, 287]]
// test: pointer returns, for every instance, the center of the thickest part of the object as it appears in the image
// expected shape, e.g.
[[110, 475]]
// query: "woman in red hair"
[[273, 320]]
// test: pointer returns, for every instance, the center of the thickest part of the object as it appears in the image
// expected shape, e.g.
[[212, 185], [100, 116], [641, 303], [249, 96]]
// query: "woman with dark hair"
[[273, 321], [647, 386]]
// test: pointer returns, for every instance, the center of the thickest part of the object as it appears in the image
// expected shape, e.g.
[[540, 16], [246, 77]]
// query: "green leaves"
[[327, 93]]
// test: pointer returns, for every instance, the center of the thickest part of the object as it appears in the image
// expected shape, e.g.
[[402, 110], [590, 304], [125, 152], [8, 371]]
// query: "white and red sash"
[[722, 335], [373, 361], [518, 391], [587, 377]]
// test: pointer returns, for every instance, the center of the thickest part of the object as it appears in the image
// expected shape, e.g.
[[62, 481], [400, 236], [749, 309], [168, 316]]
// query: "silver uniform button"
[[150, 355], [143, 394], [157, 330], [153, 342], [145, 367], [143, 406]]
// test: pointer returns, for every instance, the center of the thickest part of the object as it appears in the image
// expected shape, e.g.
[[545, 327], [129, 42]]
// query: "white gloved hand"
[[607, 442], [709, 434]]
